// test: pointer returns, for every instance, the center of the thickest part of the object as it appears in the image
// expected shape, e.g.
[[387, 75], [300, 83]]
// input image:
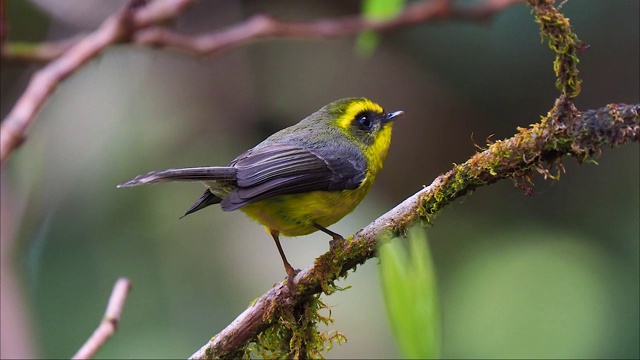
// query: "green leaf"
[[381, 9], [410, 293], [367, 41]]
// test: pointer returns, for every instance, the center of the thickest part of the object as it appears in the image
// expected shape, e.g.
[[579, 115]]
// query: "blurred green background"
[[550, 275]]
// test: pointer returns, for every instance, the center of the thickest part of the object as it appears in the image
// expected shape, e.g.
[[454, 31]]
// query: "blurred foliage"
[[411, 296], [564, 311], [556, 272], [367, 41]]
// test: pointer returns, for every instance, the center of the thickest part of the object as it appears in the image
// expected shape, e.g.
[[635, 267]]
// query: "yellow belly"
[[294, 215]]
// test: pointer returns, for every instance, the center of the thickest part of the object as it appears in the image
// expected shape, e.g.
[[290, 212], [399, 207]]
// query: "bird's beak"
[[393, 115]]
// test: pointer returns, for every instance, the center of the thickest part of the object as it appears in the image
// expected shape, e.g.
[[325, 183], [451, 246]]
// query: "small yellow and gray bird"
[[301, 179]]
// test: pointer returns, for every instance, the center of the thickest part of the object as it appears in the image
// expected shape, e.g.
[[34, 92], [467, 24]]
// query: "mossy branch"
[[536, 149], [564, 43]]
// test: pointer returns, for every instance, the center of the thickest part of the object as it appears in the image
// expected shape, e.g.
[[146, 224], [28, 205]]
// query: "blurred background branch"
[[264, 26], [113, 30], [68, 56]]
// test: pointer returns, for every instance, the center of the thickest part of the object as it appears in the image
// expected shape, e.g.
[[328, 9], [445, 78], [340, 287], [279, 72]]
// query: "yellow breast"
[[294, 214]]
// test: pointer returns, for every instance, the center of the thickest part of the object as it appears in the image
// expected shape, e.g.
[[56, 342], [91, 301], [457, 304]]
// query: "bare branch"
[[116, 28], [537, 149], [265, 27], [129, 25], [109, 322]]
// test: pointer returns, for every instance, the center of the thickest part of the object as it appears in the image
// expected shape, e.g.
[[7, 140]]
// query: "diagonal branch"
[[537, 149], [116, 28], [109, 322], [136, 24]]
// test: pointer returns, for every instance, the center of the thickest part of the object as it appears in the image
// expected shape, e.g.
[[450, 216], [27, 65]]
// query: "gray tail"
[[188, 174], [205, 200]]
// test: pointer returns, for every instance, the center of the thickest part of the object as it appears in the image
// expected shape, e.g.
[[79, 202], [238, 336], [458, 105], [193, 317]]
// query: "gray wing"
[[280, 169]]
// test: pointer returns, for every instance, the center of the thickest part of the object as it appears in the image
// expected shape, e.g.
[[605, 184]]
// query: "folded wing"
[[280, 169]]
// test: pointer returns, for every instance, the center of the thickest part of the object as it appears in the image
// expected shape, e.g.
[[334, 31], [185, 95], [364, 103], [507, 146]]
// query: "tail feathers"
[[205, 200], [187, 174]]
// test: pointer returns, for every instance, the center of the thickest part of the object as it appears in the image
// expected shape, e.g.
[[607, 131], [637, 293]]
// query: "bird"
[[301, 179]]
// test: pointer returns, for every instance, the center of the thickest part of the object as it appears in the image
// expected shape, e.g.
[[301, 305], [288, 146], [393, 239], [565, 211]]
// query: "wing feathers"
[[280, 169], [291, 185]]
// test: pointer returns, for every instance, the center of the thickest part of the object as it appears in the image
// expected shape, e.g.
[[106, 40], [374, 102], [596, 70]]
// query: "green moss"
[[564, 43], [294, 331], [295, 334]]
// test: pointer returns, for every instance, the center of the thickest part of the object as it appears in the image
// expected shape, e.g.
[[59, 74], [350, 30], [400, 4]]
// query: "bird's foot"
[[336, 240], [291, 275]]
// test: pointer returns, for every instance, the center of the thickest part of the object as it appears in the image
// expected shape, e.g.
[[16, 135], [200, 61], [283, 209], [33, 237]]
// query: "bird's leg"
[[336, 237], [291, 272]]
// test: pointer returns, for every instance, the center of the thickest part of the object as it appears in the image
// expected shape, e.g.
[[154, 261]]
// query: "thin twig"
[[109, 322]]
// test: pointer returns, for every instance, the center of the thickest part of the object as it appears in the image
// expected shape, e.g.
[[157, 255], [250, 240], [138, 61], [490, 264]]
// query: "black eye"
[[364, 121]]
